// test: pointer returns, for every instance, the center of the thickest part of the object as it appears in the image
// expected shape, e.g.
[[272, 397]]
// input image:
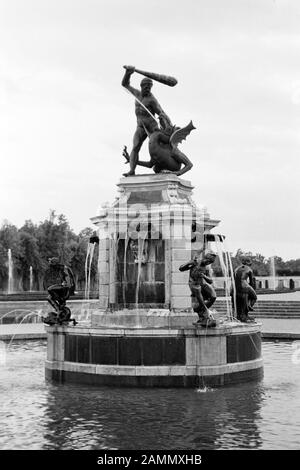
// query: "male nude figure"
[[144, 119], [201, 286], [59, 281], [244, 287]]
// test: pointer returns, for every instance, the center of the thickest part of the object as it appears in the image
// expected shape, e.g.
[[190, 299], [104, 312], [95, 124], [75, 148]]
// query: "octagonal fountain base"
[[155, 357]]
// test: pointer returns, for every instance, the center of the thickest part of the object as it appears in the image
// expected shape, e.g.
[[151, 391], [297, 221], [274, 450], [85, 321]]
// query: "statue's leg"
[[232, 296], [138, 139], [195, 306], [157, 168], [181, 158], [62, 294], [52, 302], [241, 306], [243, 311], [202, 309], [209, 295], [52, 298], [252, 297]]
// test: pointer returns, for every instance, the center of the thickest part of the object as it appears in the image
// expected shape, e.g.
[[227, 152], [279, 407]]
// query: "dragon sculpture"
[[165, 157]]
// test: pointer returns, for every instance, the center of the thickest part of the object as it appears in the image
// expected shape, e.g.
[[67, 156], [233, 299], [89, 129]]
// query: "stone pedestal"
[[156, 221]]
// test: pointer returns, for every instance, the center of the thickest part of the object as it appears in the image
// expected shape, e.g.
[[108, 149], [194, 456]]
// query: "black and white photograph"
[[149, 231]]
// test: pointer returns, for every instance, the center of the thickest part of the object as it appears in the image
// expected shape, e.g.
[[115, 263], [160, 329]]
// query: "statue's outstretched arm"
[[146, 164], [187, 266], [126, 80]]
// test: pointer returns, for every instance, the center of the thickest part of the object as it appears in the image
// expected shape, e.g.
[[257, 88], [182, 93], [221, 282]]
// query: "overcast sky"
[[64, 116]]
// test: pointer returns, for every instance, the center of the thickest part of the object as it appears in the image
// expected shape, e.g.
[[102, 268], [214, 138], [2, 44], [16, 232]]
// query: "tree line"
[[32, 245], [261, 265]]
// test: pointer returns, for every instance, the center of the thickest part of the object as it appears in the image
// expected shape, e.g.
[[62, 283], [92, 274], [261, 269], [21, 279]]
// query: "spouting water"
[[228, 274], [114, 245], [88, 269], [231, 272], [30, 279], [141, 246], [225, 273], [126, 241], [273, 272], [10, 287], [20, 310], [18, 326], [205, 389]]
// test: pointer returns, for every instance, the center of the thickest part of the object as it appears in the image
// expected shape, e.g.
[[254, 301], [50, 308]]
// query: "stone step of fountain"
[[27, 296], [290, 305], [274, 317], [286, 305], [266, 315], [281, 309], [278, 304], [267, 309]]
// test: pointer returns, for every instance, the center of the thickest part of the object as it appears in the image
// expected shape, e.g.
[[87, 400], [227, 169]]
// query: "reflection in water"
[[140, 419], [40, 415]]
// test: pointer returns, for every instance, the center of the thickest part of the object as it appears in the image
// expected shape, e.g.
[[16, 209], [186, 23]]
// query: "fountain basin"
[[141, 332], [155, 357]]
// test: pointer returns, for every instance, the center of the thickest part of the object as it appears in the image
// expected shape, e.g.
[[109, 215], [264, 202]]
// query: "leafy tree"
[[29, 257], [9, 239]]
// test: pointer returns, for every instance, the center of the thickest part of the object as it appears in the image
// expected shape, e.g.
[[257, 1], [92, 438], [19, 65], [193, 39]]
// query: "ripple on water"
[[40, 415]]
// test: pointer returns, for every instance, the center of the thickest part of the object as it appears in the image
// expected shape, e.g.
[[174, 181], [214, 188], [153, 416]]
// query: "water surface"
[[35, 414]]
